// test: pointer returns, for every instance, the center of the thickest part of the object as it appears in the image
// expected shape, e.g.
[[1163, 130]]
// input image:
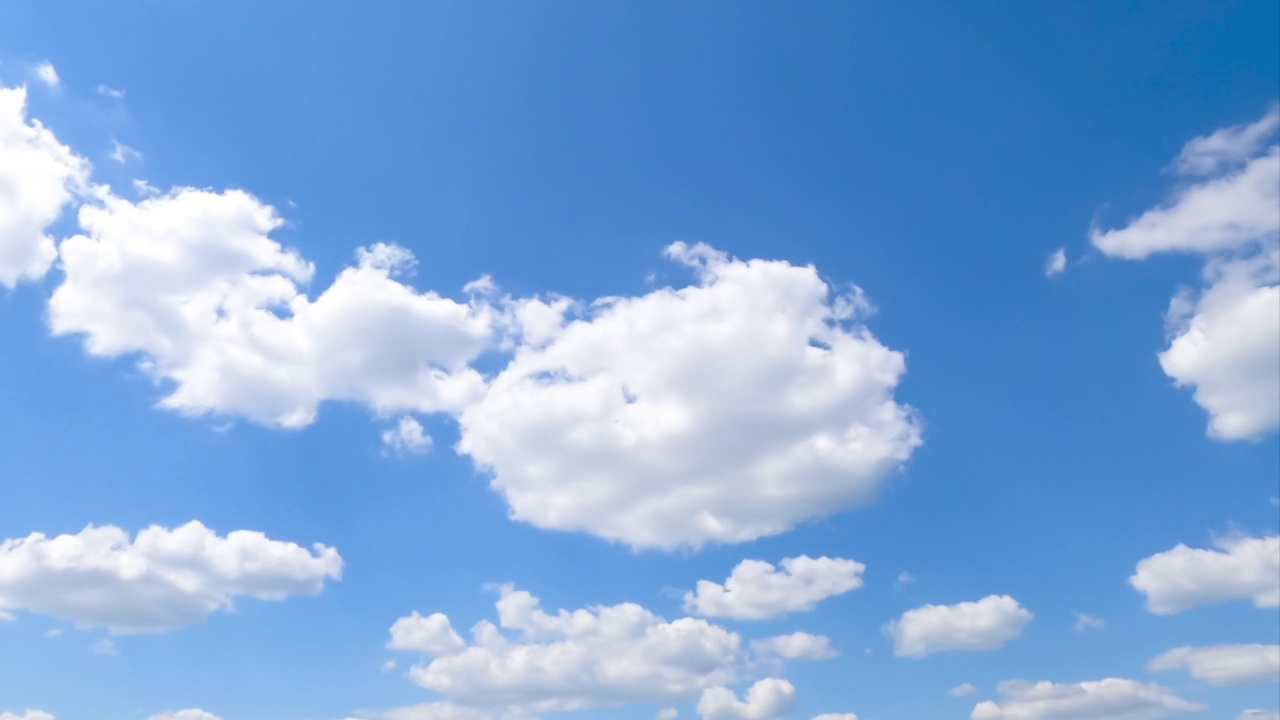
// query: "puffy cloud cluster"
[[39, 176], [796, 646], [1224, 664], [1237, 568], [983, 625], [1109, 699], [766, 699], [757, 590], [160, 580], [1224, 337]]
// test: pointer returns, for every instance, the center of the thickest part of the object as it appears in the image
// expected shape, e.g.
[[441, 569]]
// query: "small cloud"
[[668, 714], [388, 666], [122, 153], [962, 690], [407, 437], [46, 73], [1056, 263], [53, 633], [113, 93], [1085, 623], [904, 579], [145, 189], [104, 647], [483, 285]]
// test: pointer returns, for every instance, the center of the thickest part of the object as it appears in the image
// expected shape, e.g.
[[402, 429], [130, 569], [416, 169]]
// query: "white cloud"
[[1226, 344], [406, 436], [533, 661], [188, 714], [38, 177], [27, 715], [122, 153], [836, 716], [1224, 664], [756, 590], [668, 714], [192, 282], [160, 580], [796, 646], [766, 700], [904, 579], [46, 73], [1238, 568], [1109, 699], [1228, 147], [1056, 263], [962, 690], [983, 625], [1084, 623], [722, 412], [1259, 715], [113, 93]]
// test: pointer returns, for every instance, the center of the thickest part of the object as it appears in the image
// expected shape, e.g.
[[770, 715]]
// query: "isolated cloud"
[[160, 580], [766, 700], [1056, 263], [533, 661], [192, 283], [983, 625], [726, 411], [189, 714], [1084, 623], [1109, 699], [756, 590], [38, 177], [1224, 664], [406, 437], [1225, 337], [962, 690], [796, 646], [1238, 568], [46, 73]]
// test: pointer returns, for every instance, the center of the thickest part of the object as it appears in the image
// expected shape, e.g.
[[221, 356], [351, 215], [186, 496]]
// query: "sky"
[[721, 360]]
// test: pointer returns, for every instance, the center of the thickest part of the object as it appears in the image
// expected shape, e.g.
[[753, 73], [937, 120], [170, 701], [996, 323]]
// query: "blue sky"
[[669, 287]]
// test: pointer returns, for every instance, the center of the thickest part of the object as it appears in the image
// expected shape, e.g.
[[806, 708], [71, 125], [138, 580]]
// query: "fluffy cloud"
[[1224, 664], [1238, 568], [796, 646], [160, 580], [46, 73], [189, 714], [406, 437], [756, 590], [726, 411], [766, 700], [192, 282], [38, 177], [1109, 699], [983, 625], [1056, 263], [27, 715], [532, 661], [1225, 337]]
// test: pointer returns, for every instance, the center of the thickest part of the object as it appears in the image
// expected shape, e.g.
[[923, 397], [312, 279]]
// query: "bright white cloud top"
[[160, 580], [39, 176], [766, 699], [1225, 338], [1236, 568], [796, 646], [1109, 699], [983, 625], [1223, 664], [756, 590]]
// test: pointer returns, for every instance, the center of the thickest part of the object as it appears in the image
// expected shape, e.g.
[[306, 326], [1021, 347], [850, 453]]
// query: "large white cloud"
[[193, 283], [983, 625], [1238, 568], [38, 178], [1109, 699], [766, 699], [1225, 337], [1224, 664], [533, 661], [756, 590], [726, 411], [160, 580]]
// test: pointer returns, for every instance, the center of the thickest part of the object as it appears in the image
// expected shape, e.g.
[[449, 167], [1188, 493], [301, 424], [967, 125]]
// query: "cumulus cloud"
[[532, 661], [160, 580], [188, 714], [983, 625], [757, 590], [46, 73], [962, 690], [1109, 699], [1056, 263], [1237, 568], [766, 700], [1085, 623], [39, 176], [733, 409], [796, 646], [1224, 664], [1225, 337], [406, 437], [26, 715], [192, 283]]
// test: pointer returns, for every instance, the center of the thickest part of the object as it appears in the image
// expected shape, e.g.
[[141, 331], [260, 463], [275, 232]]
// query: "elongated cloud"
[[1236, 568], [1224, 664], [983, 625], [1109, 699], [756, 590]]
